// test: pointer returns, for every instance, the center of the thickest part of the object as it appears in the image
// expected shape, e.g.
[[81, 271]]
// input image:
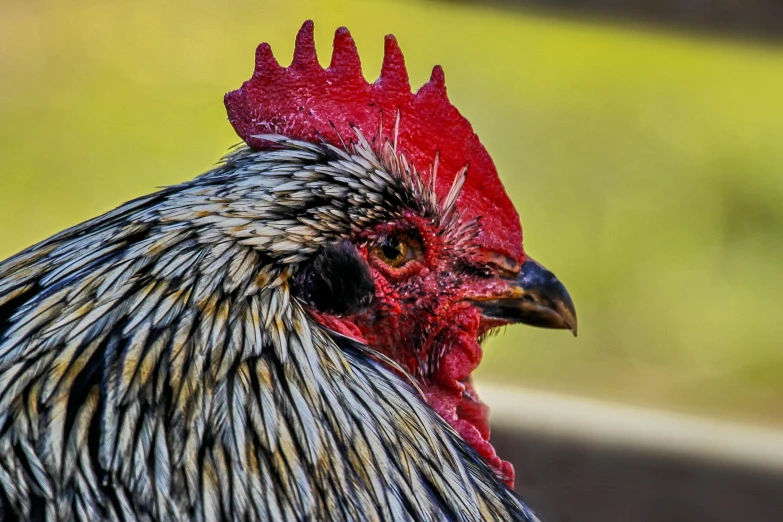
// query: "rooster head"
[[421, 278]]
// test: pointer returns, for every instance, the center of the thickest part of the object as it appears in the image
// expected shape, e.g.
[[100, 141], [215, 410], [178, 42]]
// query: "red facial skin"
[[421, 318]]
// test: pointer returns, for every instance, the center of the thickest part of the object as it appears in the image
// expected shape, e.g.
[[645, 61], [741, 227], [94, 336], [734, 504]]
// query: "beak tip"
[[567, 311], [570, 320]]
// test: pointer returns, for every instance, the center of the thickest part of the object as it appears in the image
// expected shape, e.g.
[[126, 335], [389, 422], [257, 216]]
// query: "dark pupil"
[[391, 248]]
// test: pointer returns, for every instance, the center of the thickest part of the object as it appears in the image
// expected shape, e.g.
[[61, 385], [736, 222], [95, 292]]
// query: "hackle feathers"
[[155, 365]]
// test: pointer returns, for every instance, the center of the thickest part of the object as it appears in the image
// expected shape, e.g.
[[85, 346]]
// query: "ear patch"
[[337, 281]]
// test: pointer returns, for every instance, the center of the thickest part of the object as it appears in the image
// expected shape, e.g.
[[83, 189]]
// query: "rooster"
[[290, 336]]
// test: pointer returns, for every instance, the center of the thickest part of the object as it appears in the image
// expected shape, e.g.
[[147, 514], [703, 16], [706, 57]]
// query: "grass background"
[[647, 167]]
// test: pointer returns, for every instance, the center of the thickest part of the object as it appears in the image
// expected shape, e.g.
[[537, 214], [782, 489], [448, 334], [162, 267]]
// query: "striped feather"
[[155, 364]]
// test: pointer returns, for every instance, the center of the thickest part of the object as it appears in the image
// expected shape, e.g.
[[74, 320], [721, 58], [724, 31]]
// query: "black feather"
[[337, 281]]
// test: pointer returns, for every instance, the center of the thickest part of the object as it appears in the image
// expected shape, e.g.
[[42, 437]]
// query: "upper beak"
[[536, 297]]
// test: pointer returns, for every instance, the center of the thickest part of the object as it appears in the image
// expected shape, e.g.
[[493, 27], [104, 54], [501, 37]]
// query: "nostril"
[[501, 264]]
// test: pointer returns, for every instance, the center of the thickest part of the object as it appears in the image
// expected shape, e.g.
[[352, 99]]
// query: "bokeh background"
[[646, 163]]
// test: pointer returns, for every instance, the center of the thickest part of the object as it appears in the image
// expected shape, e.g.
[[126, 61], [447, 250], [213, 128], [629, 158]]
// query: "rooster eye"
[[397, 250]]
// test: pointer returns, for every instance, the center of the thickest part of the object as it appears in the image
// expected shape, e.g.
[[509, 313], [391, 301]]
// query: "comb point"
[[393, 72], [345, 56], [438, 79], [265, 59], [304, 48], [434, 91]]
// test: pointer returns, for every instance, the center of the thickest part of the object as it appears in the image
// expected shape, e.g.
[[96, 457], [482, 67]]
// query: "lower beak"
[[536, 297]]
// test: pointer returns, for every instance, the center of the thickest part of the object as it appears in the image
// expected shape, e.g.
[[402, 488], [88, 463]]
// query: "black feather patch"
[[337, 281]]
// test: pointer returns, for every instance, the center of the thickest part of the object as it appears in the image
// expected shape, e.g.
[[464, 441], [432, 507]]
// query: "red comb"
[[307, 102]]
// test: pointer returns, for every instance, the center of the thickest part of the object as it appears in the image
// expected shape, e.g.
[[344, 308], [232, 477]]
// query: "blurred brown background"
[[640, 141], [757, 19]]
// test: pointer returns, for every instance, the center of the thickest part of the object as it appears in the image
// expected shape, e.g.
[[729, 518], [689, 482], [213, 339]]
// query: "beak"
[[536, 297]]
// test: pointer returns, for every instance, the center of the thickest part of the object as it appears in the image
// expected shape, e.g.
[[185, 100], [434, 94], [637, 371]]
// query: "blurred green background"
[[647, 167]]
